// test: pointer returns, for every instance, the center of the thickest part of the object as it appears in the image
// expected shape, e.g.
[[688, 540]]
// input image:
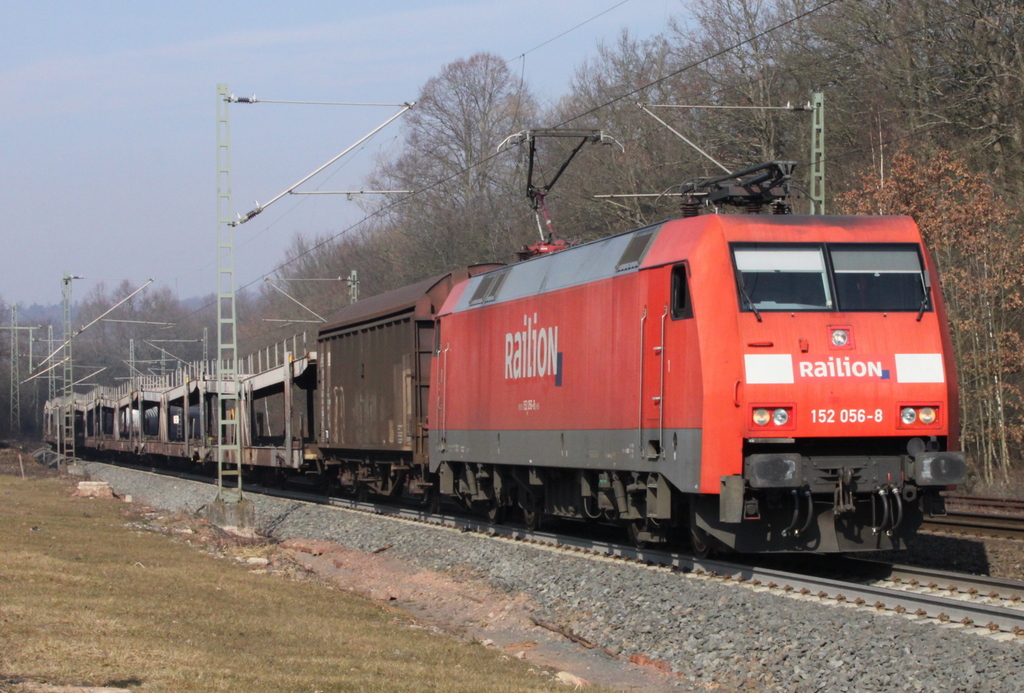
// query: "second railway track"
[[1002, 518]]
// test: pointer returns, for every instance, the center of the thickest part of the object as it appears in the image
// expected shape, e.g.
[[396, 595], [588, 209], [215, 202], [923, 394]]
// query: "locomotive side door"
[[654, 316]]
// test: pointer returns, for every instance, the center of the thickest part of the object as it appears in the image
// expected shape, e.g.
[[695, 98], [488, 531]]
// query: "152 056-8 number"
[[846, 415]]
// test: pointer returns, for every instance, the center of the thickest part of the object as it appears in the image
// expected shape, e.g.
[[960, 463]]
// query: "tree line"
[[922, 116]]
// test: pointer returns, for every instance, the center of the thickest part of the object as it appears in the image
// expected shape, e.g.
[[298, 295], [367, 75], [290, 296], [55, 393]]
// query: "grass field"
[[85, 600]]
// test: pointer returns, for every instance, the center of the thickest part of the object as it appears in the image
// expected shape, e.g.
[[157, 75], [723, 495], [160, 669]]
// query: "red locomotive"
[[770, 382]]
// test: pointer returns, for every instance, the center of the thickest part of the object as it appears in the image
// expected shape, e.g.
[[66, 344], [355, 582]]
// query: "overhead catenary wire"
[[141, 322], [349, 192], [705, 59], [832, 157], [47, 370], [268, 280], [680, 135], [441, 181], [437, 183], [568, 31], [787, 107], [253, 99], [96, 320], [259, 208]]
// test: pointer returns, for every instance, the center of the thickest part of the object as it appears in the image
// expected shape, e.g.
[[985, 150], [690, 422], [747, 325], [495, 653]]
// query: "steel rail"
[[986, 502], [982, 524]]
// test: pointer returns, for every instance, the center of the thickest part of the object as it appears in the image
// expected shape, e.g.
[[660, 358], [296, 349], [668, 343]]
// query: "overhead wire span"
[[441, 181], [142, 322], [47, 370], [568, 31], [707, 58], [259, 208], [164, 351], [380, 211], [253, 99], [97, 372], [645, 109], [787, 107], [85, 327], [268, 280]]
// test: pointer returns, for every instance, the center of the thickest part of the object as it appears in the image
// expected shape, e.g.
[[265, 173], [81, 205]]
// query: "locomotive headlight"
[[908, 415], [780, 417], [927, 415], [840, 337], [761, 416]]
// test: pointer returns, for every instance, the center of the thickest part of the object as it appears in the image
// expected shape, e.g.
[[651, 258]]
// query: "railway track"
[[981, 605], [1001, 518]]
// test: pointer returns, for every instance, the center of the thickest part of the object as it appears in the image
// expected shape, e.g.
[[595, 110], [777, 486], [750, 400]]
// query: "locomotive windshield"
[[874, 277], [782, 278], [847, 277]]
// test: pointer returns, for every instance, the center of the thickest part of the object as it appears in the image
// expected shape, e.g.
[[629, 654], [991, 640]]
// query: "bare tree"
[[978, 251], [461, 211], [653, 159]]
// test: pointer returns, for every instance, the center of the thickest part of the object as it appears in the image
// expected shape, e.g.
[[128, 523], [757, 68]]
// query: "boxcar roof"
[[425, 296]]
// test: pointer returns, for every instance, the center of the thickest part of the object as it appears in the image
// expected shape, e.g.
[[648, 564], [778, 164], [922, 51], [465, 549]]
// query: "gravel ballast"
[[713, 634]]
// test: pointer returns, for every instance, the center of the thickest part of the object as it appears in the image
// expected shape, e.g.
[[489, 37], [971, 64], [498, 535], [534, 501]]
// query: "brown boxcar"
[[374, 382]]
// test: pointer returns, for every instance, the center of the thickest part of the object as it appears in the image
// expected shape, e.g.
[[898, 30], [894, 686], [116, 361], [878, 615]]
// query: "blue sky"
[[107, 118]]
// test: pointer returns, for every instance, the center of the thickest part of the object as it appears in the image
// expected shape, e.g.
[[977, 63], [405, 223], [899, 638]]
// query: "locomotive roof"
[[630, 250], [580, 264]]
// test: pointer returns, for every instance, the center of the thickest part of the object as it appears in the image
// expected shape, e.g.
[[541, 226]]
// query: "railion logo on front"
[[532, 352], [842, 367]]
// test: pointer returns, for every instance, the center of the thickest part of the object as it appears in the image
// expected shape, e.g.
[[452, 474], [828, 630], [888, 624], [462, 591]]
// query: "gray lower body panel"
[[674, 453]]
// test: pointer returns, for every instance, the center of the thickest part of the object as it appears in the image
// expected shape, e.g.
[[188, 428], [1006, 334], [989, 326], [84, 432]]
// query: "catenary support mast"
[[817, 193], [66, 445], [15, 426], [229, 451]]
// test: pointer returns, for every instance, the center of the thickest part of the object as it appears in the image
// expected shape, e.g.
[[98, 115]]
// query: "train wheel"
[[699, 542], [635, 528], [532, 514], [495, 512], [431, 499]]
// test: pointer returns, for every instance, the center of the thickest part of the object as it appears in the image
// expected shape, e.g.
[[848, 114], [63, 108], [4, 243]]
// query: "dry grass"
[[87, 601]]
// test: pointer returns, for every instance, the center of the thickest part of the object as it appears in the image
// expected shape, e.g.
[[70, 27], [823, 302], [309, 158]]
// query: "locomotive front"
[[836, 427]]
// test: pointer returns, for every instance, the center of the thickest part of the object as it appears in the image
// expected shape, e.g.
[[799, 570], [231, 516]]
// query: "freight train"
[[761, 383]]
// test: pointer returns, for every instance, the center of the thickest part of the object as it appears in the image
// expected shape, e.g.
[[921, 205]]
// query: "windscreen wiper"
[[925, 298], [746, 296]]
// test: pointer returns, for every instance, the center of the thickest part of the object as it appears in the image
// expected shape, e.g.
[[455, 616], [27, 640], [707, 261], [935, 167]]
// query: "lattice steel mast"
[[51, 377], [817, 193], [15, 377], [15, 426], [229, 449], [66, 443]]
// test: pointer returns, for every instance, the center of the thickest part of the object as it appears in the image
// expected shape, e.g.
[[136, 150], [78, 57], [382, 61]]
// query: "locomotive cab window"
[[681, 306], [879, 277], [782, 277]]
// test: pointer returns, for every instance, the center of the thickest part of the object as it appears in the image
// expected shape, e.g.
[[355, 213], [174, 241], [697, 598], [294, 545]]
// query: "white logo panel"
[[920, 368], [768, 369]]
